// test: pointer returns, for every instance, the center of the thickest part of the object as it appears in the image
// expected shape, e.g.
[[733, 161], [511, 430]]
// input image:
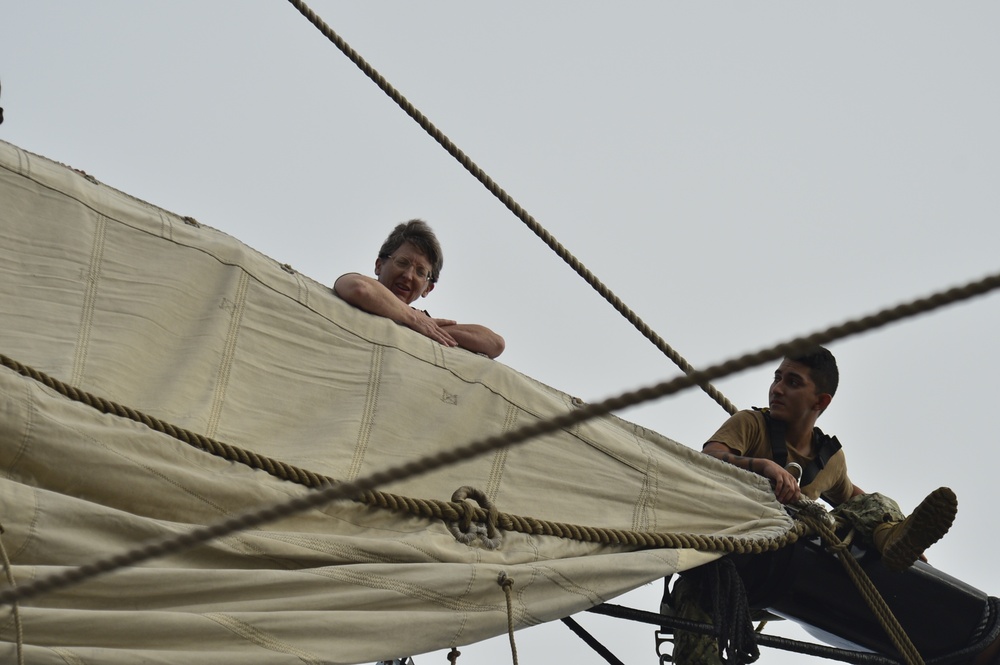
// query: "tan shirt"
[[746, 433]]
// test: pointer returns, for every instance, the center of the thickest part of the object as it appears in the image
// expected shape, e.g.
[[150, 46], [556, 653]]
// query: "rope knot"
[[812, 509], [840, 548], [466, 529]]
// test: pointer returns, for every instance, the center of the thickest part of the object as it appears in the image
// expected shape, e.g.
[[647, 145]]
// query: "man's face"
[[401, 273], [793, 396]]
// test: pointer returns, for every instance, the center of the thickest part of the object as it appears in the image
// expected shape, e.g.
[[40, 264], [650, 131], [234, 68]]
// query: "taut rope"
[[872, 597], [364, 487], [509, 202]]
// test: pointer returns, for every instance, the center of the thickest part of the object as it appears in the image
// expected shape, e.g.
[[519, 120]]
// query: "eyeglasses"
[[405, 264]]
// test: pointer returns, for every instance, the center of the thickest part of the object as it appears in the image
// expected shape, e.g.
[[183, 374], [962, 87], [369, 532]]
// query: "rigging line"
[[592, 641], [770, 641], [511, 204], [457, 511], [873, 599], [203, 534]]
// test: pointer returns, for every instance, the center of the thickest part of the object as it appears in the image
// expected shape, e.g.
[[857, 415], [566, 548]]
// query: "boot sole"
[[925, 526]]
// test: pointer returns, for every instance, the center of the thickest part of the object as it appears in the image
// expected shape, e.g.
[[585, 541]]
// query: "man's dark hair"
[[420, 235], [822, 368]]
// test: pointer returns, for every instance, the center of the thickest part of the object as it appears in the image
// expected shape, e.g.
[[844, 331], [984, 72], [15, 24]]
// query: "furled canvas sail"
[[131, 303]]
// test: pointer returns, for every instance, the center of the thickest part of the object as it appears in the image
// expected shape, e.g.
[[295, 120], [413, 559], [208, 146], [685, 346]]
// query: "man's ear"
[[428, 289], [823, 400], [378, 266]]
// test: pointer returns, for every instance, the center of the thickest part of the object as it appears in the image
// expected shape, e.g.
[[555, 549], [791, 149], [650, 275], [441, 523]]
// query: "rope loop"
[[453, 656], [466, 529], [813, 509]]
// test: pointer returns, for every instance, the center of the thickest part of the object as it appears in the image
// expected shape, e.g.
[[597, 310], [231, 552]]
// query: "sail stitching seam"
[[364, 489], [510, 203]]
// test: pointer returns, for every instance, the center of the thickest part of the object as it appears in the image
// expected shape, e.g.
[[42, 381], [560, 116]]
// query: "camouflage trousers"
[[866, 511], [692, 648], [863, 512]]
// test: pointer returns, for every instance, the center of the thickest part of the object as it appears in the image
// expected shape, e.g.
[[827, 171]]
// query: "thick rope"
[[988, 632], [507, 584], [456, 511], [360, 487], [522, 214], [219, 449], [509, 202], [365, 486], [731, 613], [15, 610], [560, 250], [872, 597], [453, 656], [463, 529]]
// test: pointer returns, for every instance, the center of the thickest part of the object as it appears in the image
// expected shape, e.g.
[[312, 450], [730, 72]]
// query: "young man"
[[768, 442], [802, 389], [407, 267]]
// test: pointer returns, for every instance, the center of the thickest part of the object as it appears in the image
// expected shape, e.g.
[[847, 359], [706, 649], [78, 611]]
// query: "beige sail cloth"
[[133, 304]]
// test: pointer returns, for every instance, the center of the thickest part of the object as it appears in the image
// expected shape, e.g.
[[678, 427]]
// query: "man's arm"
[[786, 487], [475, 338], [371, 296]]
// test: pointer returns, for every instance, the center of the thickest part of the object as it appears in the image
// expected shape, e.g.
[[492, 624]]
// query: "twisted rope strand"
[[508, 201], [872, 597], [324, 495], [901, 643]]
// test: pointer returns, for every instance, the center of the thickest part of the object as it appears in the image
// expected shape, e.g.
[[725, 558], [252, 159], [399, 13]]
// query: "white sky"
[[737, 173]]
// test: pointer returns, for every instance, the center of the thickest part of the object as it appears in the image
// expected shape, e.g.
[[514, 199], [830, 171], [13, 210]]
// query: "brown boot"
[[902, 543]]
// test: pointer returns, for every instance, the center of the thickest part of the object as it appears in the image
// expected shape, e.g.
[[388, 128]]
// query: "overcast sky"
[[737, 173]]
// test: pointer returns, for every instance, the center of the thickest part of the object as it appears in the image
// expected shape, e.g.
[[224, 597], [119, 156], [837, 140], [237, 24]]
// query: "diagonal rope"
[[510, 203], [902, 642], [876, 603], [457, 512], [204, 534]]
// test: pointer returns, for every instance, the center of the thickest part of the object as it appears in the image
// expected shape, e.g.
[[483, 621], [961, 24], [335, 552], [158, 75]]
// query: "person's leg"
[[692, 648], [899, 539]]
